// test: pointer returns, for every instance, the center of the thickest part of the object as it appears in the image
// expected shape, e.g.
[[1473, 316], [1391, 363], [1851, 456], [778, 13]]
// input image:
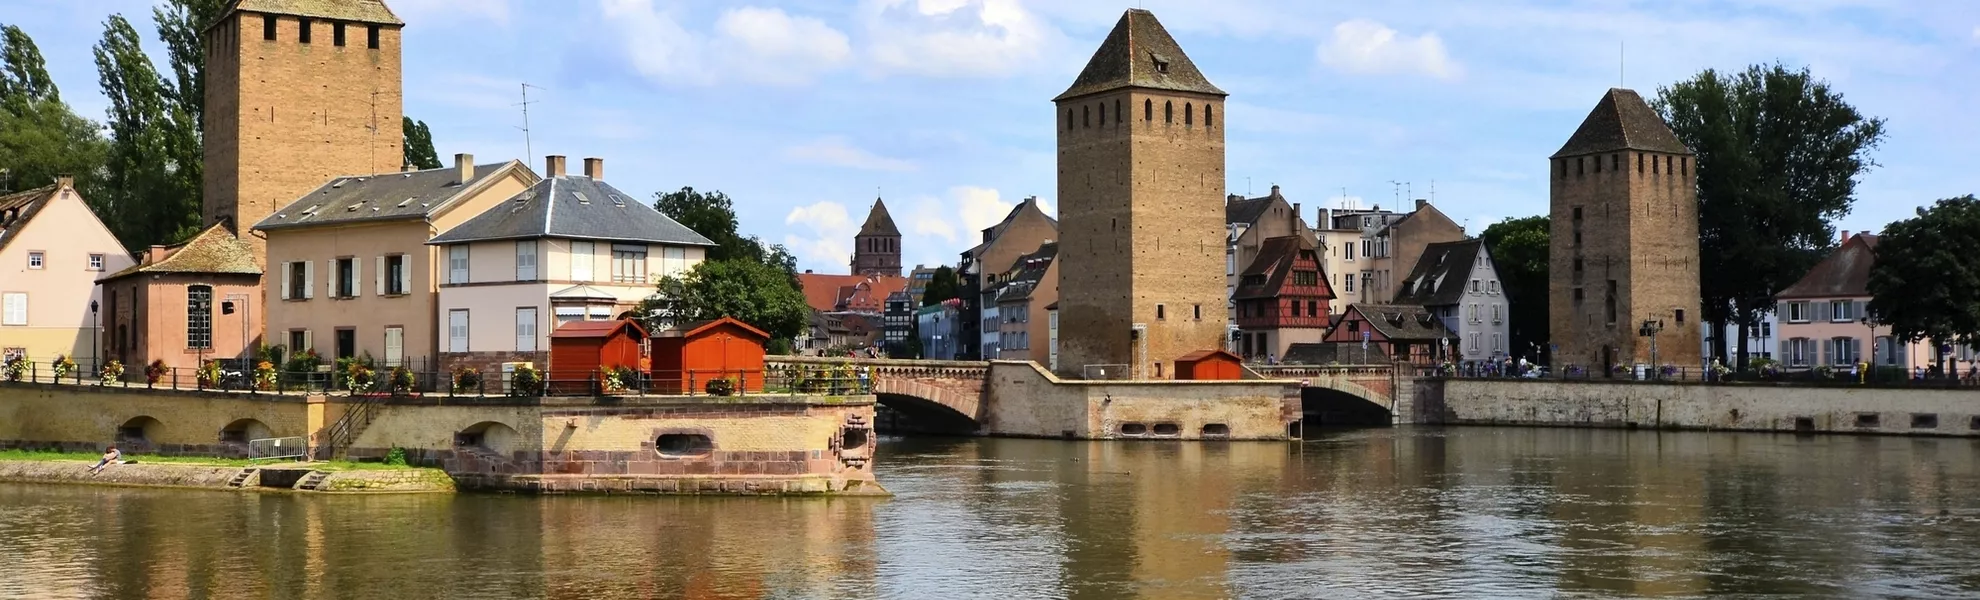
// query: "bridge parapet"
[[954, 385]]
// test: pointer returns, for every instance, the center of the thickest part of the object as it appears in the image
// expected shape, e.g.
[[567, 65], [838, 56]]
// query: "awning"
[[570, 311]]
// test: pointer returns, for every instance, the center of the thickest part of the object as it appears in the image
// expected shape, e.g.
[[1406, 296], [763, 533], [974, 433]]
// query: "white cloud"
[[820, 233], [838, 152], [450, 11], [959, 215], [954, 38], [1976, 34], [1364, 46], [757, 45]]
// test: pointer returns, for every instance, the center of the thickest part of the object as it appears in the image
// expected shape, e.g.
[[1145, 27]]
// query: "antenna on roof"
[[1344, 203], [528, 150], [1247, 186], [1433, 191], [1622, 68]]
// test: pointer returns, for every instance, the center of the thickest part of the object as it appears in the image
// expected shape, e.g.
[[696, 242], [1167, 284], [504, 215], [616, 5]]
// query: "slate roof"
[[26, 204], [1345, 353], [362, 11], [1030, 274], [1128, 58], [991, 233], [1403, 322], [576, 207], [1245, 210], [1441, 273], [214, 251], [1622, 121], [383, 197], [878, 222], [1843, 273], [1275, 262]]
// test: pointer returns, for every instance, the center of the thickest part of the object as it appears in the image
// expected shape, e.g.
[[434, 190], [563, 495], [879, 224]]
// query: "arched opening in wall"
[[242, 430], [491, 437], [138, 431], [1085, 116], [1068, 119], [683, 445], [1148, 110], [1189, 113], [1327, 407], [854, 438], [1168, 111], [899, 413], [1134, 429], [1168, 429], [1208, 117], [1216, 430], [1117, 111]]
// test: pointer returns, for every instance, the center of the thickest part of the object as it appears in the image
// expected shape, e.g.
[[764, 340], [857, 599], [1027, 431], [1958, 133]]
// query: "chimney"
[[1326, 218], [65, 182], [594, 168], [1420, 203], [154, 254], [463, 168], [553, 166], [1229, 198], [1295, 214], [1275, 190]]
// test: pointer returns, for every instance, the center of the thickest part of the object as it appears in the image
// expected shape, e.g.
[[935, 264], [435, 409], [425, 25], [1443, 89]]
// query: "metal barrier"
[[274, 448]]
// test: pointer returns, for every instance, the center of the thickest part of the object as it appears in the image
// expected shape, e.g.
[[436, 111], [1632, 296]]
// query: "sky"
[[804, 112]]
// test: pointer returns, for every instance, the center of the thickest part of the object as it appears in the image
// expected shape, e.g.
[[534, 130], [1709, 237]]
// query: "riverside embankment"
[[263, 478]]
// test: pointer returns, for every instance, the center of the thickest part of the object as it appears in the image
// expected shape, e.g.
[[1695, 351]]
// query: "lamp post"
[[96, 341], [1650, 330]]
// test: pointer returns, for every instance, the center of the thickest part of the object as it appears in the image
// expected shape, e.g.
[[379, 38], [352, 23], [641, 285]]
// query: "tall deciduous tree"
[[182, 26], [1778, 156], [1519, 253], [152, 177], [419, 145], [1926, 282], [754, 292], [40, 138], [942, 285], [23, 74]]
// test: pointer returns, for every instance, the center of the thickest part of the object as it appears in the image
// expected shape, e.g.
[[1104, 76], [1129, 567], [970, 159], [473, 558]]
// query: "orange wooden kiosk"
[[689, 355], [579, 348], [1209, 364]]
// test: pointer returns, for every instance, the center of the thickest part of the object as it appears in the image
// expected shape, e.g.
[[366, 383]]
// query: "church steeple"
[[877, 246]]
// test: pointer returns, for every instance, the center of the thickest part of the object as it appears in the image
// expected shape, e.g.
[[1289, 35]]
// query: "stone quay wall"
[[1025, 400], [1738, 407]]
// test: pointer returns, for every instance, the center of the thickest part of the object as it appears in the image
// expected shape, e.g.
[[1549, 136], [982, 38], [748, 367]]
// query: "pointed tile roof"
[[214, 251], [1275, 262], [1622, 121], [17, 208], [1139, 53], [1440, 274], [878, 222]]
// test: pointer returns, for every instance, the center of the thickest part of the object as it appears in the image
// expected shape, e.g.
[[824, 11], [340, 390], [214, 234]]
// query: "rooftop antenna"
[[1433, 191], [1344, 200], [1247, 187], [1398, 190], [1622, 69], [528, 149]]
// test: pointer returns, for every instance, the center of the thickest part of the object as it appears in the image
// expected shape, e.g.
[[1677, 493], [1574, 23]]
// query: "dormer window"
[[1161, 66]]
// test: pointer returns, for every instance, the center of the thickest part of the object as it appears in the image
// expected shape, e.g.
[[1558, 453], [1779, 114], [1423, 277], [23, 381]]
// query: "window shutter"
[[378, 278], [1822, 353], [309, 280], [308, 342], [1856, 349], [357, 277], [285, 282], [405, 273], [1782, 354]]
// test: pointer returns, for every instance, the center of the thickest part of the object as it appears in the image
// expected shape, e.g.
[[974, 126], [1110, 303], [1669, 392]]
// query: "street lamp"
[[96, 341], [1650, 329]]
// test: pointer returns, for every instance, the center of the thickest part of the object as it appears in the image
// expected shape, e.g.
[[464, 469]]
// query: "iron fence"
[[1816, 376], [382, 382], [274, 448]]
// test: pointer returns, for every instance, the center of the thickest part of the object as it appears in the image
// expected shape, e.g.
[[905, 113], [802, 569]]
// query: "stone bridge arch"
[[931, 396], [1342, 395]]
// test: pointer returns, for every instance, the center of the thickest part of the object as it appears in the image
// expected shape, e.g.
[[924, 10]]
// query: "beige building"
[[1624, 225], [568, 248], [1022, 230], [184, 303], [1031, 285], [1141, 188], [1248, 222], [350, 271], [52, 250], [1389, 252]]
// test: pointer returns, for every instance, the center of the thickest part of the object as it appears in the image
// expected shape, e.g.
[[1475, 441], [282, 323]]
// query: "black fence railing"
[[784, 380], [1880, 376]]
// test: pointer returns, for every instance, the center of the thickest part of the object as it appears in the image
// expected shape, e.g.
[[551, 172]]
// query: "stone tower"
[[297, 93], [877, 247], [1141, 207], [1624, 225]]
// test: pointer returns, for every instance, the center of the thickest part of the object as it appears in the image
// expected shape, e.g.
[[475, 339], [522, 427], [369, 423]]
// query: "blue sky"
[[803, 111]]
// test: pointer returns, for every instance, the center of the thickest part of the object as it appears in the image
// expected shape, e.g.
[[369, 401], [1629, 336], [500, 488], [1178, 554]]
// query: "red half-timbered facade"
[[1282, 299]]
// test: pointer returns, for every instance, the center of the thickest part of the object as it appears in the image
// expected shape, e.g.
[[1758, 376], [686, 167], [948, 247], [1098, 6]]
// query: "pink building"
[[1823, 321]]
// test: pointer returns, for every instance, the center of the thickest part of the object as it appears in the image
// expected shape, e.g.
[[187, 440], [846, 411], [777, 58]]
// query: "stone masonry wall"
[[1697, 406], [1640, 230], [1027, 401]]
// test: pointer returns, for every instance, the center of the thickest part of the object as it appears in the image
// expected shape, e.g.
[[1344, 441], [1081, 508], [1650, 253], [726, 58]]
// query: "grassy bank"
[[333, 465]]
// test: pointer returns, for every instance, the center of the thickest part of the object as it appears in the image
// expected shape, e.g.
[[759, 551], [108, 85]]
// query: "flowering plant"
[[1618, 369], [612, 380], [1824, 371], [111, 371], [264, 375], [466, 378], [1576, 371], [209, 373], [1446, 369], [1668, 370], [402, 380], [64, 367], [154, 371], [17, 368], [1719, 369], [525, 382], [358, 377]]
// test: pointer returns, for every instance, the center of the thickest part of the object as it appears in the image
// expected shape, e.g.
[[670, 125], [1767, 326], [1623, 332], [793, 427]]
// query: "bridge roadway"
[[954, 396]]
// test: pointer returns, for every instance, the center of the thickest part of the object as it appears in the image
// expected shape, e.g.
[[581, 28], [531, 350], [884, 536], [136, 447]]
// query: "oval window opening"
[[1167, 429], [1216, 430], [683, 445], [1133, 429]]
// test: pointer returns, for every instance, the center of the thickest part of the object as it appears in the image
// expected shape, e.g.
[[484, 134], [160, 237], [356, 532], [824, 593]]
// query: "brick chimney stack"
[[553, 165], [463, 168], [1420, 203], [1845, 236], [594, 168]]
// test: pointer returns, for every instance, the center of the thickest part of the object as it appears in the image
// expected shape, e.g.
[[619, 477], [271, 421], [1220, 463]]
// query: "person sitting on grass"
[[109, 456]]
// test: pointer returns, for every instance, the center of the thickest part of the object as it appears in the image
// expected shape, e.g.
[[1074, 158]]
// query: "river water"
[[1384, 513]]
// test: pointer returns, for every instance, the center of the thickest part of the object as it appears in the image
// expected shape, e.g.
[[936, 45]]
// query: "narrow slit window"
[[268, 27]]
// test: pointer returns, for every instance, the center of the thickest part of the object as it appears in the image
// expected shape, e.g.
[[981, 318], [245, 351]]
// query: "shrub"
[[466, 378], [720, 386], [305, 361], [155, 371], [396, 456]]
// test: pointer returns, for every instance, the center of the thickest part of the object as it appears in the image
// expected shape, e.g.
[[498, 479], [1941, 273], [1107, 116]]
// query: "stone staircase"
[[347, 428], [242, 478], [313, 482]]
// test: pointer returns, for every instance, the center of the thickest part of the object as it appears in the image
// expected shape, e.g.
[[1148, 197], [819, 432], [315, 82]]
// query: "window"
[[1577, 265], [1577, 296], [371, 37], [457, 263], [1474, 286], [457, 330], [397, 278], [628, 264], [346, 278], [1797, 312], [1492, 287], [526, 329], [1206, 116], [1307, 278], [1189, 113], [337, 34], [1615, 162], [1680, 316], [1147, 110], [95, 262], [1168, 112], [1474, 313], [1367, 245], [1196, 309], [1312, 308], [14, 308], [673, 261], [1580, 166], [302, 30], [296, 280], [1474, 342], [1799, 351], [1117, 111], [1639, 163], [1842, 351], [581, 255], [1611, 301], [298, 340], [525, 260], [1162, 66], [1842, 311], [1348, 251], [1161, 312], [1497, 343], [1085, 116], [1068, 119], [37, 260], [1495, 313], [395, 346], [268, 27], [199, 316]]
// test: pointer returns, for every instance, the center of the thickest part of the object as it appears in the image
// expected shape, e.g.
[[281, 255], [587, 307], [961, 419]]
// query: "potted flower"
[[64, 367], [1719, 370], [209, 373], [111, 371], [358, 378], [1618, 369], [610, 377], [155, 371], [17, 368], [1576, 371], [525, 382], [720, 386], [1446, 369], [402, 380], [466, 378], [264, 375], [1668, 371]]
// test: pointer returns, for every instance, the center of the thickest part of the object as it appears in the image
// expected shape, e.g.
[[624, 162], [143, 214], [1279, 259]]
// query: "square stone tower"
[[1141, 207], [297, 93], [1624, 231], [877, 246]]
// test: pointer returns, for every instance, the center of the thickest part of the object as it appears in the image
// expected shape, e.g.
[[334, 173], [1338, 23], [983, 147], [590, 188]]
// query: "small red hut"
[[579, 348], [1208, 365], [687, 356]]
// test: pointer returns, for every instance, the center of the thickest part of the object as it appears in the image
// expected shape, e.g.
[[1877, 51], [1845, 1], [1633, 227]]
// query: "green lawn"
[[334, 465]]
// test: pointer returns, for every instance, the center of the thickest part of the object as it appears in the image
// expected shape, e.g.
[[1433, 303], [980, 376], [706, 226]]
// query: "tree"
[[1925, 281], [40, 137], [23, 73], [712, 215], [1778, 155], [182, 26], [754, 292], [1519, 252], [419, 145], [942, 285], [152, 171]]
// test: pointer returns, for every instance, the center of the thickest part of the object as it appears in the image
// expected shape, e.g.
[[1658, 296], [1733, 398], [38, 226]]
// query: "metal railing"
[[274, 448], [1822, 376], [383, 383]]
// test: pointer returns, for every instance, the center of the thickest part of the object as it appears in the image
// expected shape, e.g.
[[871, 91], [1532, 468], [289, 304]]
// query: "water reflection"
[[1475, 512]]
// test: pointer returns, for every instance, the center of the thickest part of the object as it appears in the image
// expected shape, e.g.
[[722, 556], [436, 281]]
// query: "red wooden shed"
[[1209, 364], [579, 348], [688, 355]]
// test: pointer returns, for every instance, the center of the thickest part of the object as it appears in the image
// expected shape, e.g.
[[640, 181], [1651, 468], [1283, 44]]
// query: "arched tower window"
[[1208, 115], [1168, 111], [1189, 114], [1085, 116], [1147, 110], [1103, 114], [1068, 119], [1118, 117]]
